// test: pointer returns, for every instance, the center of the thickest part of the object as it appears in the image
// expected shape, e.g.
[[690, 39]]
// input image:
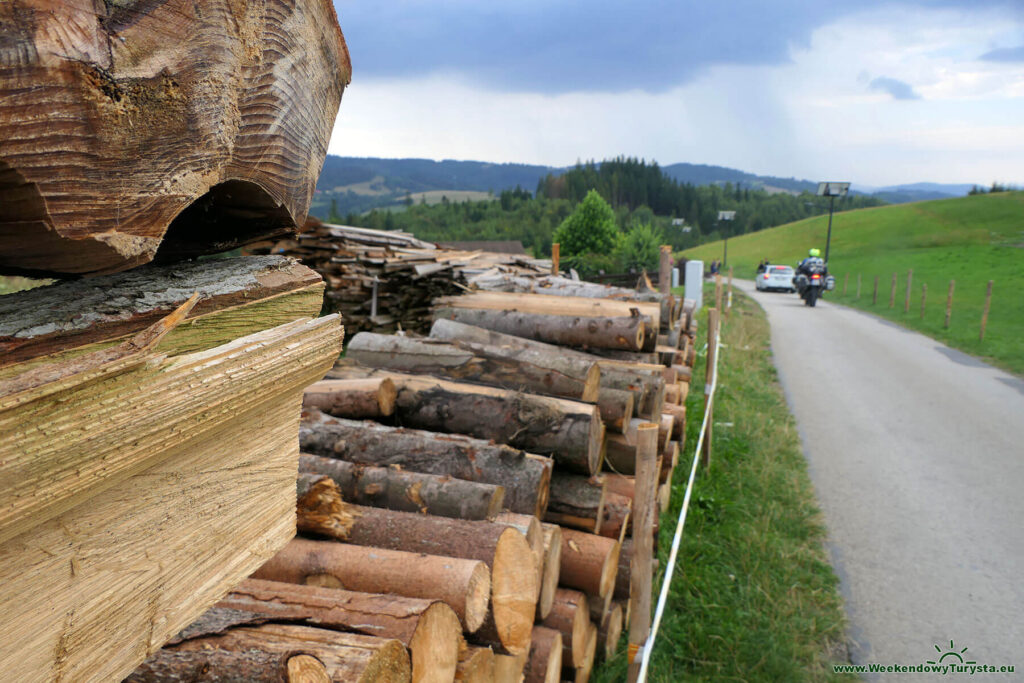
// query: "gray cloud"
[[1005, 54], [897, 88]]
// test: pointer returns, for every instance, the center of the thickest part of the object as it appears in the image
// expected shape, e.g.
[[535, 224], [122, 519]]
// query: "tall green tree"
[[589, 229]]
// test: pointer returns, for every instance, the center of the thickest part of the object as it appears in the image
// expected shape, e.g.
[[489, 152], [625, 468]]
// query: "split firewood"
[[185, 128], [576, 501], [396, 489], [552, 568], [502, 548], [569, 431], [483, 364], [524, 476], [545, 662], [557, 327], [346, 656], [570, 616], [464, 585], [589, 562], [430, 629], [226, 666], [352, 398]]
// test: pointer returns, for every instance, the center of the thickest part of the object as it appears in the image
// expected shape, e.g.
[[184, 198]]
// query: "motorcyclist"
[[813, 260]]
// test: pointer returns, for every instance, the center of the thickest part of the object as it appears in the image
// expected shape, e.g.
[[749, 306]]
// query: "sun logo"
[[951, 652]]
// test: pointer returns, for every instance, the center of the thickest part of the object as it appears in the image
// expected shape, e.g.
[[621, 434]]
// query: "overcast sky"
[[870, 91]]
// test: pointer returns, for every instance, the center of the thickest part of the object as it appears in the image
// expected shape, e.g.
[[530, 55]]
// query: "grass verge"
[[754, 597]]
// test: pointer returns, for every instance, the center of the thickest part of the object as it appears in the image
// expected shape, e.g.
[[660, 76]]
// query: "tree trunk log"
[[482, 364], [346, 656], [509, 668], [582, 307], [589, 562], [576, 501], [319, 508], [613, 332], [352, 398], [615, 516], [530, 527], [561, 286], [678, 413], [430, 629], [627, 355], [225, 666], [570, 617], [396, 489], [476, 665], [186, 127], [524, 476], [617, 407], [464, 585], [545, 663], [672, 394], [552, 568], [502, 548], [582, 672], [569, 431]]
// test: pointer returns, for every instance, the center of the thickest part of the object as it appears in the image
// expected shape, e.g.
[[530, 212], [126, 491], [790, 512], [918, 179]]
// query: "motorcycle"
[[813, 284]]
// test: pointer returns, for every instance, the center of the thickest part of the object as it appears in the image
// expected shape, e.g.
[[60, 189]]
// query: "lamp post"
[[725, 216], [831, 190]]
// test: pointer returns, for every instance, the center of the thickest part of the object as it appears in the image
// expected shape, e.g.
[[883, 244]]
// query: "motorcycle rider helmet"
[[814, 252]]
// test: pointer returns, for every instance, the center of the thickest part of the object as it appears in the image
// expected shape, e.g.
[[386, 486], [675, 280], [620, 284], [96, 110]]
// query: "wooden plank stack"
[[409, 447], [148, 454], [384, 281]]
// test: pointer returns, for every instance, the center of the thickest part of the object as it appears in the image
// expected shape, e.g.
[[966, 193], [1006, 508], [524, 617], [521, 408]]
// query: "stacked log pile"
[[411, 447], [386, 280]]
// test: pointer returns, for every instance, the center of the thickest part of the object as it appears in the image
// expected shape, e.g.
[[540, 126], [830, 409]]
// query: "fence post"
[[554, 258], [641, 564], [924, 297], [874, 297], [892, 292], [718, 291], [984, 313], [846, 280], [709, 370], [906, 301], [858, 285], [949, 302], [728, 296], [665, 270]]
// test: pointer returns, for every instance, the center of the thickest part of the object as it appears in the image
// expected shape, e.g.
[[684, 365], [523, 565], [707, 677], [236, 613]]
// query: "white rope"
[[648, 646]]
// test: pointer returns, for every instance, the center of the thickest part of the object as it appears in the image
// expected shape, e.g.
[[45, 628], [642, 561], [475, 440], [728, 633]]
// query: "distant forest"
[[640, 192]]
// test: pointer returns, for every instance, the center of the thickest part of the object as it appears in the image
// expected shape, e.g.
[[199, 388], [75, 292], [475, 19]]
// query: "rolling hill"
[[970, 240]]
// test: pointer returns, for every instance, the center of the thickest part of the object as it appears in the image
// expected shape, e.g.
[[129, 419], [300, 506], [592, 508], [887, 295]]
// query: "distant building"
[[496, 246]]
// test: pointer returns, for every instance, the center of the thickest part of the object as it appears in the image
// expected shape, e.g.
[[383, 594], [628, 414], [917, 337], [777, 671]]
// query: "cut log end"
[[435, 645], [476, 665], [306, 669], [545, 663], [550, 574], [513, 591], [320, 508]]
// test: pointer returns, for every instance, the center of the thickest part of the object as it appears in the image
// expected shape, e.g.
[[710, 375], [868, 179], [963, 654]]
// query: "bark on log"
[[502, 548], [552, 568], [479, 363], [352, 398], [476, 665], [589, 562], [346, 656], [620, 484], [617, 407], [545, 662], [576, 501], [627, 355], [524, 476], [225, 666], [615, 516], [561, 286], [181, 128], [616, 333], [570, 616], [584, 307], [395, 489], [464, 585], [569, 431], [581, 674], [319, 508], [609, 632], [678, 413], [430, 629], [644, 504]]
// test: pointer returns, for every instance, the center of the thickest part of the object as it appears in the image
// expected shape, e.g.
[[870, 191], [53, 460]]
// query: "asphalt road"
[[916, 452]]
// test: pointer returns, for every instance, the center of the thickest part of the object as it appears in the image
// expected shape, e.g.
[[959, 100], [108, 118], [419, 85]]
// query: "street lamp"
[[725, 216], [831, 190]]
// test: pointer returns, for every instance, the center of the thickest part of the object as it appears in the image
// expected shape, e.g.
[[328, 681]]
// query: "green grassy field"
[[754, 597], [971, 240]]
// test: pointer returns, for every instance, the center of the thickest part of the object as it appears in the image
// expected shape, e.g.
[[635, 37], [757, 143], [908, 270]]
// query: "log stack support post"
[[555, 254], [665, 270], [641, 569]]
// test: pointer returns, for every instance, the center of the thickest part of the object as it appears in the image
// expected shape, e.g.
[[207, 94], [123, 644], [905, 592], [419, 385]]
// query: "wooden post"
[[665, 270], [708, 376], [858, 285], [924, 297], [874, 297], [984, 313], [949, 302], [729, 295], [554, 257], [892, 292], [846, 281], [906, 301], [718, 291], [641, 567]]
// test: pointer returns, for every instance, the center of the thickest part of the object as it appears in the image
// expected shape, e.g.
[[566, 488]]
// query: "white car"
[[776, 278]]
